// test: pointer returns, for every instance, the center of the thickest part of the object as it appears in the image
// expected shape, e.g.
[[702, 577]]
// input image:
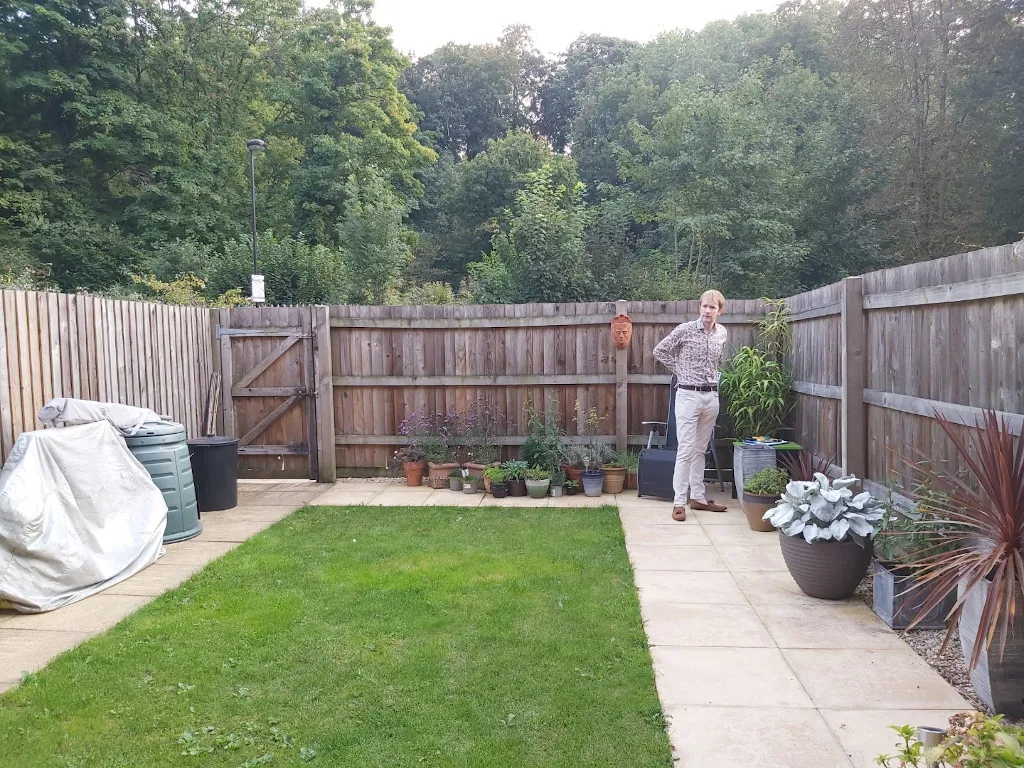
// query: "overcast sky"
[[419, 27]]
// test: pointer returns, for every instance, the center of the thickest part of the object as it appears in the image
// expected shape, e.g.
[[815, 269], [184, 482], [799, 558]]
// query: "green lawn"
[[367, 637]]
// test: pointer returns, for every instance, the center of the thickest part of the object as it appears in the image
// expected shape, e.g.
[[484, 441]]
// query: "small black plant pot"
[[516, 487], [897, 598], [499, 490]]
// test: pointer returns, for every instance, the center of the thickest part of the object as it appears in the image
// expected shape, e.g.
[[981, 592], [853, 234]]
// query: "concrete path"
[[750, 671]]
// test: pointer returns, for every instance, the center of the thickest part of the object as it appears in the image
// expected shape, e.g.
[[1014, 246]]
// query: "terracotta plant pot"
[[830, 570], [516, 487], [499, 490], [414, 472], [614, 479], [438, 476], [573, 473], [754, 507]]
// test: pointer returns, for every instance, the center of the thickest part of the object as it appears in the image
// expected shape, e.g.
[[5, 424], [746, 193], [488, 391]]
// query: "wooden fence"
[[314, 391], [56, 345], [876, 356]]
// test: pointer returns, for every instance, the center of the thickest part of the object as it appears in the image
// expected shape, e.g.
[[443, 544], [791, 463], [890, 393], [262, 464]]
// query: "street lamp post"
[[258, 292]]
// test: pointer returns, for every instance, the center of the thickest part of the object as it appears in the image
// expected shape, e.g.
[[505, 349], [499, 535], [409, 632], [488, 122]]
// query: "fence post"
[[323, 392], [621, 389], [853, 412]]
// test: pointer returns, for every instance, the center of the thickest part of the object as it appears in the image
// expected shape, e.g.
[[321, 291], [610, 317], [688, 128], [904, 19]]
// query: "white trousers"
[[696, 413]]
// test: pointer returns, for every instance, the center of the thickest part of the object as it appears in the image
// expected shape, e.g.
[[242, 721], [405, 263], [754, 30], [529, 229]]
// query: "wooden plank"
[[56, 368], [967, 415], [827, 391], [971, 290], [324, 394], [829, 310], [269, 391], [526, 321], [266, 421], [273, 450], [266, 362], [854, 415], [621, 389], [521, 380], [350, 440], [227, 377], [268, 331], [309, 372], [14, 319], [213, 345], [6, 425], [31, 368]]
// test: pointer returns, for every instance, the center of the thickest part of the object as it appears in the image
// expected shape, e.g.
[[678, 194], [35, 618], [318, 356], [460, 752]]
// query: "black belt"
[[700, 387]]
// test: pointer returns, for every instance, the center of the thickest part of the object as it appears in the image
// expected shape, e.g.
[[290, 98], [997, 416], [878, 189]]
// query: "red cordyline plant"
[[987, 532]]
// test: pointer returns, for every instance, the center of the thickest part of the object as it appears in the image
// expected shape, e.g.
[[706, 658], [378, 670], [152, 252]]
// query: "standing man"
[[694, 352]]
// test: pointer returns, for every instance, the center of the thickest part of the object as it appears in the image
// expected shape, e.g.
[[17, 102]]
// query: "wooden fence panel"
[[58, 345]]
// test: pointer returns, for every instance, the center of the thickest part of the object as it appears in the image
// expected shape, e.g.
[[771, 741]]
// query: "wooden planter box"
[[896, 600], [999, 682]]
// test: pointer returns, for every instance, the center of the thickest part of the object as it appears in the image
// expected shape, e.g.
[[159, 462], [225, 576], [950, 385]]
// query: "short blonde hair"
[[716, 296]]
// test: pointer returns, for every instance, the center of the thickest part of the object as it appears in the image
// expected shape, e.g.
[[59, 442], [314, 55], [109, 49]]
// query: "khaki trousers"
[[696, 413]]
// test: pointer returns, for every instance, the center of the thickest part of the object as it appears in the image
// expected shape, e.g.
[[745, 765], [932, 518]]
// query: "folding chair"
[[658, 463]]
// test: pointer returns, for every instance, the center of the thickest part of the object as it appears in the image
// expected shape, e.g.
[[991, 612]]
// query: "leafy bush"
[[593, 455], [767, 482], [824, 511], [536, 473], [543, 446], [756, 390], [515, 469], [495, 474], [972, 741]]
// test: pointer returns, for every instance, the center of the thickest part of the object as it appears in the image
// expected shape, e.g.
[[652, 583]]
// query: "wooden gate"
[[267, 373]]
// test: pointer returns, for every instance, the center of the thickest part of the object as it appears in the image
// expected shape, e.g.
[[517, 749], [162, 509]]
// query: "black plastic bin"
[[215, 472]]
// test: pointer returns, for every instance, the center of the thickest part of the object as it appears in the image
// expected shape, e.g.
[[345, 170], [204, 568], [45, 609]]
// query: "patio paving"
[[749, 670]]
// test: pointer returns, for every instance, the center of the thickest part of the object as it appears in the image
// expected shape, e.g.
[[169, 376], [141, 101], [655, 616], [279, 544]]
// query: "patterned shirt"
[[693, 354]]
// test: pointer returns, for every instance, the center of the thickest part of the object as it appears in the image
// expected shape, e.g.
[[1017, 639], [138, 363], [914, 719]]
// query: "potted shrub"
[[414, 428], [825, 532], [494, 479], [761, 492], [980, 560], [543, 446], [470, 483], [557, 482], [537, 482], [478, 428], [571, 487], [455, 479], [614, 474], [515, 476], [632, 463], [576, 457], [897, 595], [756, 389]]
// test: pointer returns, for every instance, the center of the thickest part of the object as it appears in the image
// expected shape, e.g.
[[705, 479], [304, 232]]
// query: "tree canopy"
[[762, 156]]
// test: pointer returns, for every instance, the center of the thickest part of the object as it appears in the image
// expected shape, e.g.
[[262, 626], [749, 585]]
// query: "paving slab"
[[255, 512], [752, 737], [155, 580], [726, 677], [741, 536], [732, 516], [865, 734], [93, 615], [752, 558], [688, 587], [656, 557], [842, 625], [704, 625], [29, 650], [345, 498], [772, 587], [666, 535], [229, 530], [450, 498], [860, 679], [195, 552]]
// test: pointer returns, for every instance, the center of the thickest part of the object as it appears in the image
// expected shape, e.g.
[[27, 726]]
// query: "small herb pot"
[[499, 490], [556, 490], [455, 483], [516, 487]]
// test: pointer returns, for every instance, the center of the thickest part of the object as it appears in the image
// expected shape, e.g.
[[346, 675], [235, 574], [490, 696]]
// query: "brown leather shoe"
[[679, 514], [707, 506]]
